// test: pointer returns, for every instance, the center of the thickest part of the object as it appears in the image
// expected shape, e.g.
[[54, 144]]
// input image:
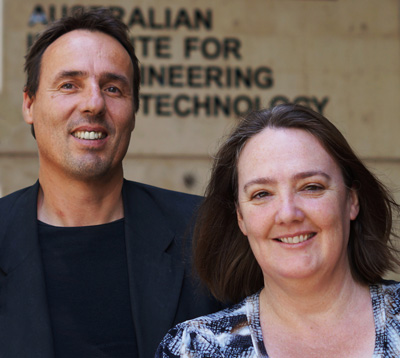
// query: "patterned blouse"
[[236, 331]]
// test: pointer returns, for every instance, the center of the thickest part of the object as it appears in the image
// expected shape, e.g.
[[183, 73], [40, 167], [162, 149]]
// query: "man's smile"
[[92, 135]]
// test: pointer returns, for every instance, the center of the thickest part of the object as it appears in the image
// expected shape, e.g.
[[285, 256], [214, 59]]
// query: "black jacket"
[[162, 290]]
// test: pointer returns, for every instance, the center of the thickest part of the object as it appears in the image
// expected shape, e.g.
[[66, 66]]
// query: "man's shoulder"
[[17, 203], [13, 197], [147, 201], [161, 195]]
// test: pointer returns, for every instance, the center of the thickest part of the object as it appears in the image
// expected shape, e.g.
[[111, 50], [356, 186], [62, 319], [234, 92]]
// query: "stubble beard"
[[89, 167]]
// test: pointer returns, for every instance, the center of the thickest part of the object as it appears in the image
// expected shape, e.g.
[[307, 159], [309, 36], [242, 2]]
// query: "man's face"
[[83, 110]]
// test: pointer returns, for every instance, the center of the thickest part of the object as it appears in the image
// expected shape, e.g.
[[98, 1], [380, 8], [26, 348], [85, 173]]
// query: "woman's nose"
[[288, 210]]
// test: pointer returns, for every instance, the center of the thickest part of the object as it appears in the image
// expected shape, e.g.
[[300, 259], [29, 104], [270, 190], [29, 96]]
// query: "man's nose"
[[288, 210], [93, 101]]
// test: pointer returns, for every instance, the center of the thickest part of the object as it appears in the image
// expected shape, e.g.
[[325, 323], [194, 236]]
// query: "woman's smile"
[[292, 191], [296, 239]]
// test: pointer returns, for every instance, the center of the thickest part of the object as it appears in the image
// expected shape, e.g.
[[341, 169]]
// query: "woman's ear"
[[240, 220], [354, 204]]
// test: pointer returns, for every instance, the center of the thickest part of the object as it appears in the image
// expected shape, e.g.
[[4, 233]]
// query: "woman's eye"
[[261, 194], [313, 187]]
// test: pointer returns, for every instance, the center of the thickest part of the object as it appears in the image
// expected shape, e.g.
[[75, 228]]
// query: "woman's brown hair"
[[222, 255]]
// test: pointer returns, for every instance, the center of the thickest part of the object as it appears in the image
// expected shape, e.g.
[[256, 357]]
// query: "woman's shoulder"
[[386, 304], [386, 296], [211, 335], [390, 290], [386, 307]]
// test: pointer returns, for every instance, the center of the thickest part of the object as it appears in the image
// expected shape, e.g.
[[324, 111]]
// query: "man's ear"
[[133, 123], [27, 108]]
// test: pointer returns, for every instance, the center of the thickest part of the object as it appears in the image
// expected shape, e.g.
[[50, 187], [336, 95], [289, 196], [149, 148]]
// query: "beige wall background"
[[341, 57]]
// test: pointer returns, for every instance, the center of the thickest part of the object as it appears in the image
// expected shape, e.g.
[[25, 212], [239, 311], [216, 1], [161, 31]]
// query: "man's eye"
[[113, 89], [67, 86]]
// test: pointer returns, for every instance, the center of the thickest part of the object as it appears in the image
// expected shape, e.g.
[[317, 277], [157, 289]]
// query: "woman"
[[296, 229]]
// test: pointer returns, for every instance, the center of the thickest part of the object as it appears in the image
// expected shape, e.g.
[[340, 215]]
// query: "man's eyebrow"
[[109, 76], [69, 74], [298, 176]]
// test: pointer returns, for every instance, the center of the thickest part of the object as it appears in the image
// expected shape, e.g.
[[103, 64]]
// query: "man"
[[91, 265]]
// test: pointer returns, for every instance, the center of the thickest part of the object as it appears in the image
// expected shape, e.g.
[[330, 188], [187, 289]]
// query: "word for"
[[177, 76], [184, 105], [209, 47], [212, 47], [150, 18]]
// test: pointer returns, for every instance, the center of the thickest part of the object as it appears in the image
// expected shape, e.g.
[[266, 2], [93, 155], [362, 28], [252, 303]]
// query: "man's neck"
[[69, 202]]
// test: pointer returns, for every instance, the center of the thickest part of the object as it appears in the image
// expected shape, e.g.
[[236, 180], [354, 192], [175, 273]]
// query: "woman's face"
[[293, 205]]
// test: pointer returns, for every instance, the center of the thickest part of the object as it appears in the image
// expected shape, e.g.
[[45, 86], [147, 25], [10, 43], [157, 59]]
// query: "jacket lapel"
[[155, 277], [25, 329]]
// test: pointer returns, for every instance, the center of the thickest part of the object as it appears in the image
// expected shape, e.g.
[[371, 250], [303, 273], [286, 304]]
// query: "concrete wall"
[[341, 57]]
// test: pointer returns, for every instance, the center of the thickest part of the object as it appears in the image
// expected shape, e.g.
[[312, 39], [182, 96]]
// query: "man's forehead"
[[82, 40], [78, 49]]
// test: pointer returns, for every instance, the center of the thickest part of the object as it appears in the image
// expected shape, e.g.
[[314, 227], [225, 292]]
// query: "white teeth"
[[295, 239], [88, 135]]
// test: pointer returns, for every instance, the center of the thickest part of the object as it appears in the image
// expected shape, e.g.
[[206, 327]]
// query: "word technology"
[[184, 105]]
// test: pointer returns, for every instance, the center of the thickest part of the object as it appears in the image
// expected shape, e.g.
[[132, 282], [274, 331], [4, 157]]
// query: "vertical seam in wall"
[[1, 45], [1, 65]]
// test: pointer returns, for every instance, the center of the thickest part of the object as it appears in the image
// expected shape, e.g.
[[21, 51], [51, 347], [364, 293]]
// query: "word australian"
[[150, 18]]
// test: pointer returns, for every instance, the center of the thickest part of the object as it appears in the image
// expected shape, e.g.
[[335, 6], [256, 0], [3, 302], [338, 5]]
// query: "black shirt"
[[88, 291]]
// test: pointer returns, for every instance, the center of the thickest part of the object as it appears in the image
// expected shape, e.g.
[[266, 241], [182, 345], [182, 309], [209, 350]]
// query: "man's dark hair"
[[101, 20], [222, 254]]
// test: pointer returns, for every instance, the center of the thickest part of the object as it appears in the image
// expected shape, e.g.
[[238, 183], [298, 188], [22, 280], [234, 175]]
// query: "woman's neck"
[[311, 298]]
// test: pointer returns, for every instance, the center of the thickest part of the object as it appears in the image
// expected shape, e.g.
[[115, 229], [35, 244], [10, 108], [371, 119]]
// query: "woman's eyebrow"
[[311, 173], [261, 180], [297, 176]]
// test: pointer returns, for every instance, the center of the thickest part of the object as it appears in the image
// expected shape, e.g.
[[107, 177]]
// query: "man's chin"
[[90, 171]]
